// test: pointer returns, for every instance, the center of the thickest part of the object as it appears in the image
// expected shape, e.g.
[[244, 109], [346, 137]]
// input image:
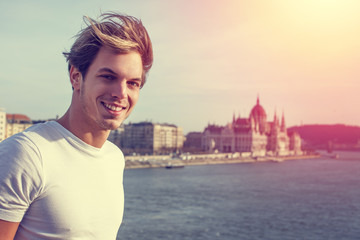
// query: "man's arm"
[[8, 230]]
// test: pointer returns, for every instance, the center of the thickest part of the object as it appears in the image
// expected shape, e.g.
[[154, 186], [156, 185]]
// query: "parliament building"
[[254, 135]]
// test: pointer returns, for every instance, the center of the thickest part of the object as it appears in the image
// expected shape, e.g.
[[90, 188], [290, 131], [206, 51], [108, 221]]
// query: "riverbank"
[[204, 159]]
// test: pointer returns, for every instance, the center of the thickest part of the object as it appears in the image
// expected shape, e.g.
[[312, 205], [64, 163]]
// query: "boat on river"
[[171, 166]]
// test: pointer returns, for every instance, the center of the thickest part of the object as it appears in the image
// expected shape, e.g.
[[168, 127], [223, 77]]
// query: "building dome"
[[258, 111], [258, 115]]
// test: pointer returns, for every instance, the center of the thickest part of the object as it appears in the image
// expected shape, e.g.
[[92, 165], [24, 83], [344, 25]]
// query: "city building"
[[2, 124], [192, 143], [148, 138], [16, 123], [116, 136], [295, 143], [254, 135]]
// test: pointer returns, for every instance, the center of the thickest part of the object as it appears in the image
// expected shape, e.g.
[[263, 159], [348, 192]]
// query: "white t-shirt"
[[59, 187]]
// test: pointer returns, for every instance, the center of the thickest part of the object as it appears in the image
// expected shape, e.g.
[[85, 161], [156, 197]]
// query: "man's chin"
[[111, 124], [115, 123], [114, 126]]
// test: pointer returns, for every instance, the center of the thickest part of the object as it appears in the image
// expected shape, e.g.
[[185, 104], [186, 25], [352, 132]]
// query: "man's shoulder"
[[41, 129], [27, 141], [19, 152], [16, 143]]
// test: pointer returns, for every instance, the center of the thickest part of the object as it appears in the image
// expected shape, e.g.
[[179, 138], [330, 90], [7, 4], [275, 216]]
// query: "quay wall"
[[204, 159]]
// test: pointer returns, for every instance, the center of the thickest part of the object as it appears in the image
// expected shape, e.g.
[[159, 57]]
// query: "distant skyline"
[[211, 59]]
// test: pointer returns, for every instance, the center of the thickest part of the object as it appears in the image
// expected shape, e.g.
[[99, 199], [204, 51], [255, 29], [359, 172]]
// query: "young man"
[[63, 179]]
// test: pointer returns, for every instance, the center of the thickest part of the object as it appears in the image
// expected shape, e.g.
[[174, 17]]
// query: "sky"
[[212, 59]]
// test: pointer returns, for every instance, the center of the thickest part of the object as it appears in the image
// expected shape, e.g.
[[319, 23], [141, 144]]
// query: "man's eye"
[[108, 77], [134, 83]]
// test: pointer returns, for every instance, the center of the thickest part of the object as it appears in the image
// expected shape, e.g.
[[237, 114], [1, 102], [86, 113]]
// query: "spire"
[[283, 126], [258, 100], [275, 118]]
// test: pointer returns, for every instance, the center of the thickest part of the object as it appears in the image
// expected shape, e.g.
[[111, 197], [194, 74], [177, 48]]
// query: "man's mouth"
[[113, 107]]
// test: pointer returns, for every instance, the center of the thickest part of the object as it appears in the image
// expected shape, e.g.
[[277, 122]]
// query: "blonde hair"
[[122, 33]]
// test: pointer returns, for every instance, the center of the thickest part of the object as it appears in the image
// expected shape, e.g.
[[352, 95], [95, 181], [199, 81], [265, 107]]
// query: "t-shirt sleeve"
[[20, 177]]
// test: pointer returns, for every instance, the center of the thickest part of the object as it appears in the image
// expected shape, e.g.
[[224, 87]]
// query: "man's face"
[[110, 89]]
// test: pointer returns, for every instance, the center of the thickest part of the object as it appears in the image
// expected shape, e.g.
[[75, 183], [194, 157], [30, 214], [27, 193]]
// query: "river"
[[295, 199]]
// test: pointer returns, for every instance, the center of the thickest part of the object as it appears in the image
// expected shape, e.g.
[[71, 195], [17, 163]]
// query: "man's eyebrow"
[[108, 70], [105, 69]]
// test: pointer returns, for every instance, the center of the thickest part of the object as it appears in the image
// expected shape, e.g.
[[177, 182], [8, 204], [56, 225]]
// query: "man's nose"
[[119, 90]]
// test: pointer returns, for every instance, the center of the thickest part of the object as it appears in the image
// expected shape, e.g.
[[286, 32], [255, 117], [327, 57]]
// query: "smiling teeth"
[[112, 107]]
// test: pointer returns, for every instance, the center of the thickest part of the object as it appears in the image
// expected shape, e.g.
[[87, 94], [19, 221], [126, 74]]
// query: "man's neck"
[[95, 138]]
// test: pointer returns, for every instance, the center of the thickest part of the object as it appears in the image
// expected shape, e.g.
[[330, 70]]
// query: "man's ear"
[[75, 78]]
